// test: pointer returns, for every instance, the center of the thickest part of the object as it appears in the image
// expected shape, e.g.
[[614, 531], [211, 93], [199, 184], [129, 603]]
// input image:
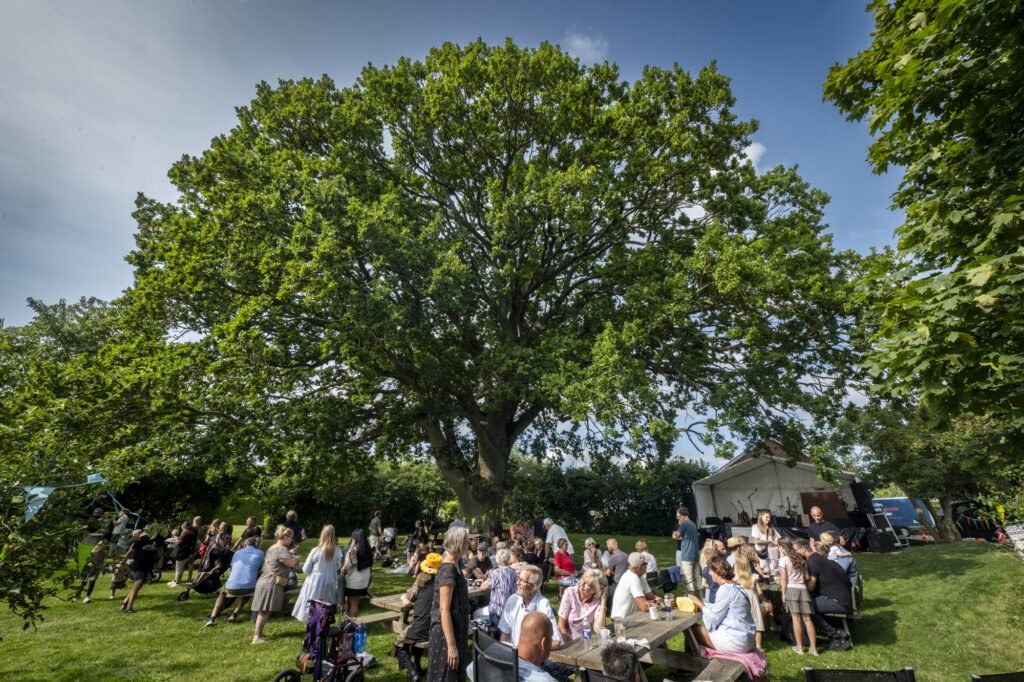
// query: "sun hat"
[[431, 564], [734, 542]]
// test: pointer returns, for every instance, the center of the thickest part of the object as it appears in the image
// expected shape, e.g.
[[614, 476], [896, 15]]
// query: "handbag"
[[280, 580]]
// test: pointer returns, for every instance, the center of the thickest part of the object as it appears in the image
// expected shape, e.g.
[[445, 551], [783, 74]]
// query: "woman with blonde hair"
[[269, 595], [449, 616], [583, 605], [321, 570], [747, 579], [652, 563]]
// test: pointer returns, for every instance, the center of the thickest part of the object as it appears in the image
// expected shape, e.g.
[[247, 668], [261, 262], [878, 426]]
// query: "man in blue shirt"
[[245, 569], [689, 563], [533, 649]]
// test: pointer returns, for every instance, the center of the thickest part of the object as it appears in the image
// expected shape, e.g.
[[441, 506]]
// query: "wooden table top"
[[393, 602], [638, 626]]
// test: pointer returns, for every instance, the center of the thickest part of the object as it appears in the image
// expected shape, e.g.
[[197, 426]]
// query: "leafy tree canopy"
[[494, 246], [942, 87]]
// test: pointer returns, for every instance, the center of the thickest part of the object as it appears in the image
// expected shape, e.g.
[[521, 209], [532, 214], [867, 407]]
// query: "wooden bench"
[[382, 617], [721, 670]]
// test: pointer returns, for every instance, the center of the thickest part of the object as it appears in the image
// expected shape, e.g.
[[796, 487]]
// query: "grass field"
[[948, 611]]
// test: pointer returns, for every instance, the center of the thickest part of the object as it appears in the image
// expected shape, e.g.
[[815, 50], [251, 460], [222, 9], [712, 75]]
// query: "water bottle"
[[359, 642], [586, 635]]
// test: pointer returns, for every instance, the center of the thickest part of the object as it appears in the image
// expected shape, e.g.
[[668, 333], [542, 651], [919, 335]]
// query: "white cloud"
[[587, 46], [754, 152]]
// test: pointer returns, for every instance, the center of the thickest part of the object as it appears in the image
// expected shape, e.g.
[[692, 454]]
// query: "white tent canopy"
[[768, 481]]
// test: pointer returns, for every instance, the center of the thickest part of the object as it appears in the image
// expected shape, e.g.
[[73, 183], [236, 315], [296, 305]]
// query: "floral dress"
[[449, 575]]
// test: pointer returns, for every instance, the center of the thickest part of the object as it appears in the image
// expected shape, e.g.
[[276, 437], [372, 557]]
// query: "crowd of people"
[[729, 581]]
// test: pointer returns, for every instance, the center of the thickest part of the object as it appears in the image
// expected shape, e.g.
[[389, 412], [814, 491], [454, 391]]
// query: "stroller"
[[328, 653], [202, 583], [207, 581]]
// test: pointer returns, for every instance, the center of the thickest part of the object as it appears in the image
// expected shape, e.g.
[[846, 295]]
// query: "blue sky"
[[100, 98]]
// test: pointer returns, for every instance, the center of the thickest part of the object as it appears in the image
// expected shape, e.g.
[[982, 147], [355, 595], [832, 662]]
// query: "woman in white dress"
[[766, 541], [321, 569]]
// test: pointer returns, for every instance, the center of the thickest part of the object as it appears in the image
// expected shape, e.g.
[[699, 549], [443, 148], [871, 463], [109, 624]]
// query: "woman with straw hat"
[[419, 599]]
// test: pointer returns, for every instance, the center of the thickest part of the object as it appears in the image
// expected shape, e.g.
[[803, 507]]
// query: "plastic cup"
[[605, 635]]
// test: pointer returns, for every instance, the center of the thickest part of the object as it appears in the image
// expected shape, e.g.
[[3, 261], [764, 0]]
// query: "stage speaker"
[[862, 496], [859, 519], [881, 542]]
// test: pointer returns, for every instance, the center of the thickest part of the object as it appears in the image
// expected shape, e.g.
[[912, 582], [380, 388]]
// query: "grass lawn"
[[948, 611]]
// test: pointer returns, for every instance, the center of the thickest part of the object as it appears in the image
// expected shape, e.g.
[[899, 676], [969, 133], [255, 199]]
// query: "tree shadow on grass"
[[877, 626], [910, 564]]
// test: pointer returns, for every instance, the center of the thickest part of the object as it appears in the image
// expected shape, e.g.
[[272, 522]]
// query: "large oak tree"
[[495, 247]]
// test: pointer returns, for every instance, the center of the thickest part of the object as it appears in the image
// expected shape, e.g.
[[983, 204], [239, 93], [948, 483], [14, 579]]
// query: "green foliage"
[[942, 87], [973, 457], [45, 439], [634, 496], [492, 247]]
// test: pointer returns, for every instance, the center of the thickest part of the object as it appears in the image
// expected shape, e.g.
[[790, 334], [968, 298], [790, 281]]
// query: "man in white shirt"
[[632, 593], [555, 533], [527, 599]]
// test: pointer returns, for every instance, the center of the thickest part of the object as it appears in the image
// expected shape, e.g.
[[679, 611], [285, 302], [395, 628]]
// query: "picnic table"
[[393, 602], [638, 626]]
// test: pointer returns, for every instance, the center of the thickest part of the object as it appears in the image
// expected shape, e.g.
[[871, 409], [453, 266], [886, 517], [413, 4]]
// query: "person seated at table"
[[583, 604], [419, 599], [502, 584], [746, 578], [830, 590], [712, 547], [652, 563], [565, 570], [535, 643], [733, 544], [535, 552], [591, 555], [728, 624], [518, 559], [527, 599], [616, 563], [828, 546], [633, 594], [619, 661], [533, 650], [479, 564]]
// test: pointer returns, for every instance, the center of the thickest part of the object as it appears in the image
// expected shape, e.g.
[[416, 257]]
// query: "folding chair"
[[493, 660], [999, 677]]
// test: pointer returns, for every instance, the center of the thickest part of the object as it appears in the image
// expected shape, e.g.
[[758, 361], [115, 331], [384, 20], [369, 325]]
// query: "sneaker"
[[812, 652], [173, 583], [259, 640], [799, 650], [129, 611], [233, 618], [87, 600], [840, 645], [210, 621]]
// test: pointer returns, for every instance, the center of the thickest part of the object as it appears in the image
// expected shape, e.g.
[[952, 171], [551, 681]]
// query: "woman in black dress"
[[449, 617], [420, 600]]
